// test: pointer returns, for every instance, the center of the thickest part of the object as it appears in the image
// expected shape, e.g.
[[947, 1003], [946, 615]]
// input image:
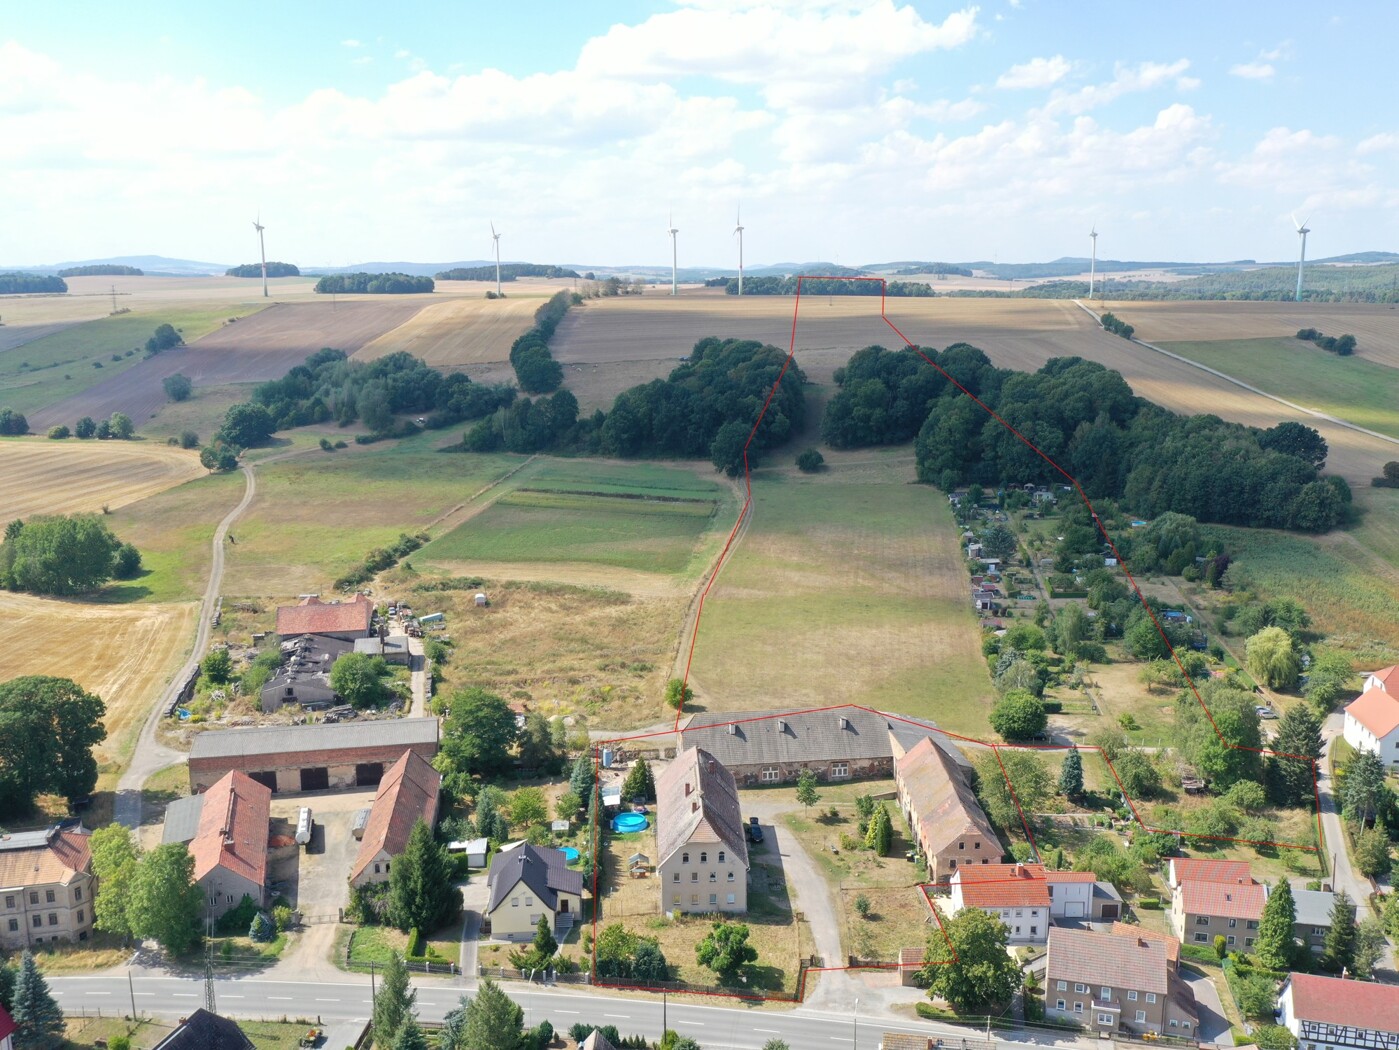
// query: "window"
[[1252, 924], [961, 845], [1017, 931], [1202, 920], [704, 858], [1173, 1022], [1185, 1024], [1230, 939], [731, 876], [1058, 1004], [769, 774], [230, 898], [714, 899], [1080, 988], [10, 901], [1132, 997], [376, 869], [1106, 995], [1141, 1016], [731, 898], [1248, 942], [388, 864], [1034, 930], [14, 925], [976, 845], [721, 857], [78, 893], [1233, 923], [840, 769], [694, 898], [1202, 938], [534, 920], [675, 900], [675, 877], [1019, 912], [514, 902], [694, 876], [1061, 986], [80, 915], [1105, 1019], [53, 918], [684, 858], [33, 898], [529, 901], [1078, 1008], [1151, 997]]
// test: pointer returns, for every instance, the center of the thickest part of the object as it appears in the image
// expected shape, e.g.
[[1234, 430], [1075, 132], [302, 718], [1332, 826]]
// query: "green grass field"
[[203, 412], [848, 587], [1379, 526], [1349, 388], [64, 363], [643, 517]]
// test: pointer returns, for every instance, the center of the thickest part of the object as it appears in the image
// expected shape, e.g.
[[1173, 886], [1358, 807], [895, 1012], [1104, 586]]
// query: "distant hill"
[[152, 265], [508, 272], [1363, 257], [412, 268]]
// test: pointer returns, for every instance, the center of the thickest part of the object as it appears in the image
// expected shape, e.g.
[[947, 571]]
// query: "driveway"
[[1214, 1026]]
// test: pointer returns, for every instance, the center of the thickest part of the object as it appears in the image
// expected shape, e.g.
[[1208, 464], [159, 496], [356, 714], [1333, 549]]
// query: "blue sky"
[[857, 132]]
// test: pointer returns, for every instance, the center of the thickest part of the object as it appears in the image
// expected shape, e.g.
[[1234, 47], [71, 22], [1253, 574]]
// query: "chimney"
[[733, 729], [782, 725], [711, 765], [844, 722], [688, 788], [694, 805]]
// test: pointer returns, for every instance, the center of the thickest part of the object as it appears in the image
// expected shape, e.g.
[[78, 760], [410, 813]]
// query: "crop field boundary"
[[995, 747]]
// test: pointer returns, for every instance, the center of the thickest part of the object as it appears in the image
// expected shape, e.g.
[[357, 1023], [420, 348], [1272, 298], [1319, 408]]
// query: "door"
[[315, 778], [267, 778], [1110, 911], [368, 774]]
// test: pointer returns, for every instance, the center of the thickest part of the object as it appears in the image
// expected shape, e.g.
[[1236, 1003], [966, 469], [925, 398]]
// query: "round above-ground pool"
[[624, 822], [569, 853]]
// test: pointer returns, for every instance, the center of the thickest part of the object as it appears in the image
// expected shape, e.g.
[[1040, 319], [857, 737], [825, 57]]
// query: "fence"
[[509, 973]]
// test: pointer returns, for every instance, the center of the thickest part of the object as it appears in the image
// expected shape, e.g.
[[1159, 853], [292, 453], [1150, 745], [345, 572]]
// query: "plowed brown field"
[[38, 476]]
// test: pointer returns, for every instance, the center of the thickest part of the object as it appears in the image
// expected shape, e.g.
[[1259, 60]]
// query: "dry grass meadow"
[[39, 476]]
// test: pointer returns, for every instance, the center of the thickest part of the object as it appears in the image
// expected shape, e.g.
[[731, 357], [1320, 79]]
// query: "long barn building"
[[310, 758]]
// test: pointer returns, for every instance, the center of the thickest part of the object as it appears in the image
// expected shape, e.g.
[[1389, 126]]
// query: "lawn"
[[88, 1032], [63, 364], [642, 517], [1350, 388], [845, 587], [374, 944]]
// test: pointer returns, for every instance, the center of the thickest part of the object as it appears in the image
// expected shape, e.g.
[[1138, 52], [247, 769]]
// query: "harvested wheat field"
[[458, 332], [39, 476], [123, 653]]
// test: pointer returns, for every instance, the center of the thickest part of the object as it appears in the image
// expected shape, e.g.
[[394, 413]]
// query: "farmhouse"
[[773, 747], [1202, 910], [204, 1030], [393, 648], [1313, 909], [703, 856], [1329, 1013], [947, 822], [304, 676], [1372, 721], [1386, 679], [526, 882], [408, 793], [46, 887], [1117, 982], [348, 620], [1180, 869], [1028, 897], [311, 757], [230, 846]]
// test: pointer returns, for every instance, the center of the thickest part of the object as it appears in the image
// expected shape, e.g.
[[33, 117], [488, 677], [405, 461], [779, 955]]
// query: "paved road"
[[149, 754], [714, 1027]]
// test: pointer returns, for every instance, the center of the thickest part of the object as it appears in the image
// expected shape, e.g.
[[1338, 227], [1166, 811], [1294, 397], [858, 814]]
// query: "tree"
[[393, 1003], [1372, 852], [1275, 947], [115, 857], [998, 541], [35, 1010], [1070, 629], [528, 807], [410, 1036], [1292, 781], [614, 951], [1257, 995], [261, 929], [58, 555], [677, 694], [358, 679], [1370, 945], [218, 457], [583, 777], [1363, 791], [776, 1044], [1338, 949], [725, 949], [1294, 439], [189, 439], [1025, 771], [166, 904], [879, 836], [7, 986], [810, 461], [543, 947], [985, 976], [807, 794], [537, 749], [1271, 658], [1019, 715], [127, 562], [726, 452], [50, 726], [568, 805], [1071, 775], [649, 962], [164, 337], [177, 387], [422, 895], [85, 427], [479, 734], [489, 822], [244, 425], [493, 1021], [122, 429], [59, 432], [218, 666], [640, 782]]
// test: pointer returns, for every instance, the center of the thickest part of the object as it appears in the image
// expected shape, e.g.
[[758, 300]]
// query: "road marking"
[[574, 1012], [184, 995], [281, 998], [620, 1017], [99, 993], [768, 1031], [327, 1000]]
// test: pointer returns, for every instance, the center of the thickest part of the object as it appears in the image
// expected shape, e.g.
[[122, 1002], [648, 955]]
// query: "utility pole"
[[855, 1029], [114, 298], [130, 987]]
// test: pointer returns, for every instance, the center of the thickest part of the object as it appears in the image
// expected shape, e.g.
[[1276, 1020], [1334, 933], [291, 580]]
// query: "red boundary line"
[[995, 748]]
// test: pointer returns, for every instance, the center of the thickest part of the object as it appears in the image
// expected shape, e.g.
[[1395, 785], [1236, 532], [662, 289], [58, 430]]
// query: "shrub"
[[59, 432], [282, 918], [810, 461], [189, 439], [261, 929]]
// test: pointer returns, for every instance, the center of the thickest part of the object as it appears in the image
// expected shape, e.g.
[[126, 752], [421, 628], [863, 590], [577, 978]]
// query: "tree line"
[[1085, 418], [1341, 346], [508, 272], [373, 283], [823, 286], [102, 270], [534, 365], [16, 283], [274, 269]]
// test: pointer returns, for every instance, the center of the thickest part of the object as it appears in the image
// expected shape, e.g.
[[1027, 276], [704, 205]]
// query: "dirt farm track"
[[255, 349], [39, 476]]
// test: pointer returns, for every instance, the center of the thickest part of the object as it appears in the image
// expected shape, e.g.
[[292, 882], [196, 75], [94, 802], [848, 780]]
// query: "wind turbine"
[[674, 270], [738, 232], [262, 245], [1093, 266], [1302, 232], [496, 237]]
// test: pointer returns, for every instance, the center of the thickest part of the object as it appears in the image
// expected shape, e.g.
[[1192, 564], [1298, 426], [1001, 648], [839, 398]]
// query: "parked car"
[[755, 831], [1265, 712]]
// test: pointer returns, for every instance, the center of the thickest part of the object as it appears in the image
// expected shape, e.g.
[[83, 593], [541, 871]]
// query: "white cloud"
[[1385, 140], [351, 43], [1253, 70], [1126, 79], [1036, 73]]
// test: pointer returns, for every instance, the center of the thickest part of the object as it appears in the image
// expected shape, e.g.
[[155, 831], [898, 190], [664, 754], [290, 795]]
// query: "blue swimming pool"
[[569, 853], [625, 822]]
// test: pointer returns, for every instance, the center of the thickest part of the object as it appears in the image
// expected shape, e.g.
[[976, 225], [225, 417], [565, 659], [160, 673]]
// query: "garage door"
[[368, 774], [316, 778], [1075, 909], [266, 778], [1110, 911]]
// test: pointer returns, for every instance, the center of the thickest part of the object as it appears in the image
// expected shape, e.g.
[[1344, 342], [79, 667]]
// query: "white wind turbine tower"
[[738, 232], [1302, 232], [1093, 266], [496, 237], [674, 270], [262, 245]]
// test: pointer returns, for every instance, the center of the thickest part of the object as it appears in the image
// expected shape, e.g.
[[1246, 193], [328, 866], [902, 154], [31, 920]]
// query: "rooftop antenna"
[[1093, 266], [1302, 232], [262, 246], [738, 232], [674, 269], [496, 237]]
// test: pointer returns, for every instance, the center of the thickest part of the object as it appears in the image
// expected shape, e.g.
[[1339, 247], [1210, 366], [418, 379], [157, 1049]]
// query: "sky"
[[855, 132]]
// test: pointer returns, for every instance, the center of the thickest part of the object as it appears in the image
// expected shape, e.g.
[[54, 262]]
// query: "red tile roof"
[[7, 1023], [52, 856], [1122, 929], [1225, 900], [1193, 868], [1357, 1004], [697, 801], [1070, 876], [314, 616], [1002, 885], [233, 829], [409, 790], [1376, 710], [937, 791], [1388, 676]]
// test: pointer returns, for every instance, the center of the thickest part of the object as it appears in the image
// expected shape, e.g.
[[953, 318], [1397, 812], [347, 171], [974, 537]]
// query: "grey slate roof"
[[544, 872], [1313, 906], [206, 1031], [279, 740], [696, 799], [182, 819], [772, 737]]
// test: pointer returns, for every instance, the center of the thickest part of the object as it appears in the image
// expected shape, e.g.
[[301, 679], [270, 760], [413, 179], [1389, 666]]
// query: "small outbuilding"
[[482, 601]]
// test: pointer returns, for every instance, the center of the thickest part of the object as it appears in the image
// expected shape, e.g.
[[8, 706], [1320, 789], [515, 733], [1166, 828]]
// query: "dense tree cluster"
[[1114, 324], [508, 272], [102, 270], [827, 286], [534, 366], [526, 425], [1388, 479], [16, 283], [50, 726], [373, 283], [12, 423], [1221, 738], [274, 269], [1341, 346], [63, 554], [938, 268], [163, 338], [708, 406], [177, 387]]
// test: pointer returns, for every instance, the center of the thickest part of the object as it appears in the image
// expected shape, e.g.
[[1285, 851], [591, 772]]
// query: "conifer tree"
[[493, 1020], [393, 1005], [1071, 775], [36, 1013], [640, 782], [421, 891], [1275, 947], [1338, 950]]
